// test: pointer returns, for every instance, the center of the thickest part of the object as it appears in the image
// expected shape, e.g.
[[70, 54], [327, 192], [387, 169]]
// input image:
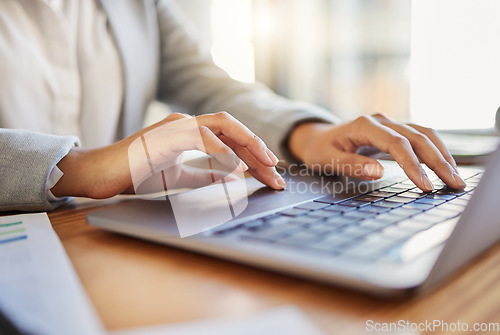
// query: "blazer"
[[161, 60]]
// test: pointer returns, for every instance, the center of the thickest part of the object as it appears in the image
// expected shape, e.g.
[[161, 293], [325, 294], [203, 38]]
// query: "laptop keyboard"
[[369, 227]]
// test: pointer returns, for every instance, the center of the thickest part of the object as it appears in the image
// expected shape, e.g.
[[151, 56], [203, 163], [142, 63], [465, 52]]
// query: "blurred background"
[[353, 56]]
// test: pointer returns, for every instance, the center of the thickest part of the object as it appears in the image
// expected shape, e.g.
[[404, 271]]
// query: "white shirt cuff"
[[54, 177]]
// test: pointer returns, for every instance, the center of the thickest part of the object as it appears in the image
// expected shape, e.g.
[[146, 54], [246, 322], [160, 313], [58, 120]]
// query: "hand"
[[320, 144], [105, 172]]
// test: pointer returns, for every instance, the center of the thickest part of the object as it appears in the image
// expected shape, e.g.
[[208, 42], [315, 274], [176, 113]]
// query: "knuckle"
[[255, 139], [421, 138], [223, 115], [431, 131], [400, 141], [204, 130], [363, 120], [381, 116], [177, 115]]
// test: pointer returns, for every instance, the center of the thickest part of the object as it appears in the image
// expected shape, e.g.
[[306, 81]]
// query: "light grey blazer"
[[161, 61]]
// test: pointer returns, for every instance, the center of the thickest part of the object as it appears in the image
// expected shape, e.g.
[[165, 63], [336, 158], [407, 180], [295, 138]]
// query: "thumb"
[[357, 166]]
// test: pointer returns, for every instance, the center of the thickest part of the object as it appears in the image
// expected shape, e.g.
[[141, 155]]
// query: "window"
[[361, 56]]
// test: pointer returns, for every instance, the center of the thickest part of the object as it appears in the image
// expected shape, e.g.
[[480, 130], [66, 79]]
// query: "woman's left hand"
[[334, 147]]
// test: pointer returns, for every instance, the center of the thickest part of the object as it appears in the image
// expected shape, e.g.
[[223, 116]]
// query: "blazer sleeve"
[[189, 79], [26, 159]]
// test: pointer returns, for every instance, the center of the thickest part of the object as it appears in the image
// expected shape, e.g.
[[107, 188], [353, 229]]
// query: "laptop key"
[[340, 209], [374, 209], [356, 231], [374, 224], [354, 203], [358, 215], [311, 205], [450, 191], [295, 212], [459, 202], [332, 243], [394, 189], [389, 204], [444, 213], [428, 218], [419, 206], [258, 227], [274, 232], [303, 237], [328, 199], [302, 221], [414, 224], [276, 220], [381, 194], [323, 215], [390, 217], [428, 201], [377, 242], [369, 198], [466, 196], [397, 232], [452, 207], [412, 195], [340, 221], [405, 212], [440, 196], [400, 199], [320, 229]]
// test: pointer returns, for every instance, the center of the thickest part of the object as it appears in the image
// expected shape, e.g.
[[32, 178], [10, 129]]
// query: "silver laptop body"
[[414, 263]]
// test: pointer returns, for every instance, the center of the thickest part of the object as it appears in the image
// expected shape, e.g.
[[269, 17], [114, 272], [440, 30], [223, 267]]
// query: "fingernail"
[[427, 183], [279, 180], [459, 180], [374, 171], [272, 157], [240, 164]]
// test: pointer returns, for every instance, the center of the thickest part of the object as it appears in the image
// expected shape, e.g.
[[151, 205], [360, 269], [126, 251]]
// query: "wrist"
[[299, 140], [71, 166], [94, 173]]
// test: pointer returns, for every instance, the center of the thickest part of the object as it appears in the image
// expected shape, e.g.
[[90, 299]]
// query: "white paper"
[[39, 289], [280, 320]]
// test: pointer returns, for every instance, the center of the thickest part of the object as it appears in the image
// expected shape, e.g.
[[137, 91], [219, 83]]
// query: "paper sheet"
[[41, 294], [39, 290], [280, 320]]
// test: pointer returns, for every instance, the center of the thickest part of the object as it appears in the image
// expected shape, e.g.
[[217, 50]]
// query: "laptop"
[[384, 237]]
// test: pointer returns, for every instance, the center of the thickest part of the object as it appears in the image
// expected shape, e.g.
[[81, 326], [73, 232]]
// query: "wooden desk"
[[136, 283]]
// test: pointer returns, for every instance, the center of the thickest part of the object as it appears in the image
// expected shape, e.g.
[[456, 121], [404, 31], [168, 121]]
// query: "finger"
[[368, 131], [351, 165], [438, 142], [430, 155], [177, 116], [430, 133], [265, 174], [224, 124], [164, 146]]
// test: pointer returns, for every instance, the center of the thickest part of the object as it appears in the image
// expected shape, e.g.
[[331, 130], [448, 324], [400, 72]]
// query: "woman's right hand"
[[111, 170]]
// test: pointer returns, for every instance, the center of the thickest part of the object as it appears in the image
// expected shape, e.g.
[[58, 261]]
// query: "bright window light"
[[232, 47], [455, 67]]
